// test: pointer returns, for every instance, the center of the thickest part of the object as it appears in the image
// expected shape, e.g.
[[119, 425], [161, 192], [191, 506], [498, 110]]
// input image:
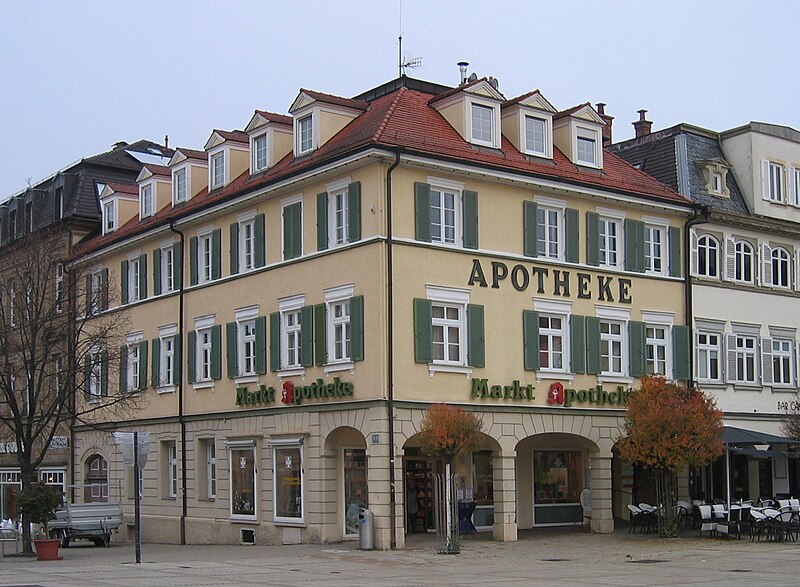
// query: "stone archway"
[[345, 486]]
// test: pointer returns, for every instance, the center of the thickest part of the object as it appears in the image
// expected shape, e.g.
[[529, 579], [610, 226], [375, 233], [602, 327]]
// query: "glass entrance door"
[[558, 480], [354, 463]]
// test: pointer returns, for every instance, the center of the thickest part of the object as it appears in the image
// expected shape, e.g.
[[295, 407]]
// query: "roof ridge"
[[389, 111]]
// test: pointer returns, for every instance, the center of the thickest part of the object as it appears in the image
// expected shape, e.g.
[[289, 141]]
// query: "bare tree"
[[791, 421], [56, 341]]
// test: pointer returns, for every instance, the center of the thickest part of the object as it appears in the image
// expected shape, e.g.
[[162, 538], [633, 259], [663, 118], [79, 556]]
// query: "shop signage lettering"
[[561, 283], [57, 442], [482, 390], [294, 395], [559, 396]]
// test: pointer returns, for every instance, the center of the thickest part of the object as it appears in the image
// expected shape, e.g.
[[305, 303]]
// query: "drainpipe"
[[181, 419], [390, 353], [699, 216], [72, 361]]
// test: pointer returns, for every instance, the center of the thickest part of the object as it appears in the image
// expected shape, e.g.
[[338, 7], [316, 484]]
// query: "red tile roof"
[[518, 99], [237, 136], [158, 169], [456, 90], [278, 118], [572, 110], [123, 188], [335, 100], [403, 119], [193, 153]]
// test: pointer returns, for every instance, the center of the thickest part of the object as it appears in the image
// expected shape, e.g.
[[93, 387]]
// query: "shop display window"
[[288, 484], [243, 481], [355, 487]]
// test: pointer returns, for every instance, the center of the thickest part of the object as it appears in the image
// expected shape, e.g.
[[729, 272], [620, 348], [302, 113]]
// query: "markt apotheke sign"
[[603, 288], [557, 394], [294, 395]]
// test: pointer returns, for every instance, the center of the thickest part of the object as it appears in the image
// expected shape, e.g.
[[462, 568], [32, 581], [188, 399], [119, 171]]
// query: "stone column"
[[602, 507], [380, 491], [505, 496]]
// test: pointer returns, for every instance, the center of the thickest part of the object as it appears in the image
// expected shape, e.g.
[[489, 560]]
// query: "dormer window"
[[217, 170], [716, 181], [305, 134], [586, 153], [179, 186], [258, 148], [482, 123], [146, 201], [109, 216], [716, 172], [535, 136]]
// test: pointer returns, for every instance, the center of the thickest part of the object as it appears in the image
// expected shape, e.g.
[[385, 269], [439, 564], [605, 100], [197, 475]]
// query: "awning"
[[753, 452], [732, 435]]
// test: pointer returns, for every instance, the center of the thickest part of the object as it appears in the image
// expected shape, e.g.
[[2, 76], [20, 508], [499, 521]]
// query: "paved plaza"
[[541, 557]]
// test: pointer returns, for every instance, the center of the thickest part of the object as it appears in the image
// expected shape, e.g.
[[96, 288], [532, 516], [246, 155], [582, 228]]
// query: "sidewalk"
[[541, 557]]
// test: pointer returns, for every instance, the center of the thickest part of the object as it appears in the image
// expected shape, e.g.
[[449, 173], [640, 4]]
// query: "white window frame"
[[59, 287], [134, 272], [204, 349], [546, 134], [109, 217], [242, 445], [259, 147], [291, 444], [171, 466], [147, 196], [562, 310], [94, 385], [785, 356], [742, 353], [246, 342], [95, 291], [305, 144], [740, 257], [494, 107], [776, 182], [166, 358], [167, 269], [211, 468], [291, 306], [704, 251], [610, 340], [794, 182], [705, 351], [338, 328], [777, 263], [217, 178], [247, 242], [483, 123], [655, 343], [455, 189], [613, 316], [134, 358], [609, 218], [544, 207], [205, 255], [449, 298], [654, 226], [177, 173], [592, 136]]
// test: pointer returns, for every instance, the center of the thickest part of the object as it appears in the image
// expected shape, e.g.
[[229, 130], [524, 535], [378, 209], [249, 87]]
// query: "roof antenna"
[[408, 63]]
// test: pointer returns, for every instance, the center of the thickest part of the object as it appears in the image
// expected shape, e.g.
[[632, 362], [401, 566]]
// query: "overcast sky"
[[75, 77]]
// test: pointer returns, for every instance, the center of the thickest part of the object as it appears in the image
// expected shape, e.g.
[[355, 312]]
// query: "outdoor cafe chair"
[[730, 524], [784, 527], [759, 524], [707, 523], [744, 517], [636, 517], [718, 511], [683, 509]]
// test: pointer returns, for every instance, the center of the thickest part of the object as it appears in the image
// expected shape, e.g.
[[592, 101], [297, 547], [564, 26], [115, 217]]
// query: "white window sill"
[[333, 367], [480, 143], [610, 267], [614, 379], [291, 372], [783, 389], [299, 523], [165, 389], [559, 375], [243, 519], [253, 378], [712, 383], [203, 384], [434, 367], [742, 386]]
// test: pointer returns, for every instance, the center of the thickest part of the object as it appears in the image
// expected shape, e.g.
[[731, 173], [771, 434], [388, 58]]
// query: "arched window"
[[707, 256], [744, 261], [780, 267], [95, 479]]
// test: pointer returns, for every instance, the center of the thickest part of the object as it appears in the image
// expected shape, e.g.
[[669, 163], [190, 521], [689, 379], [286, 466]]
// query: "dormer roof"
[[151, 170], [227, 136], [182, 154], [480, 87], [306, 97], [532, 99], [583, 111], [115, 187]]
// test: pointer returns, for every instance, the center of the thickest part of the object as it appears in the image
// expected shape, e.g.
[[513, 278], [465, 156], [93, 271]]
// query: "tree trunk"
[[666, 494], [27, 476]]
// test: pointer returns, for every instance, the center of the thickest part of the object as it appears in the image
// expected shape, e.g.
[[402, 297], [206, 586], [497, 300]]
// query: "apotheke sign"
[[557, 394], [295, 395]]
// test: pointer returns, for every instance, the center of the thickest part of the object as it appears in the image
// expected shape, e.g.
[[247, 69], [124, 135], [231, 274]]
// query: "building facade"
[[300, 292], [745, 277]]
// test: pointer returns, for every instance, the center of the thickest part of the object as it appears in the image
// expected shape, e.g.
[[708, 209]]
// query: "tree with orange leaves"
[[667, 428]]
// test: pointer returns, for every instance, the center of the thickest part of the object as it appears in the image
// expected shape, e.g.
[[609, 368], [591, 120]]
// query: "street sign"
[[124, 440]]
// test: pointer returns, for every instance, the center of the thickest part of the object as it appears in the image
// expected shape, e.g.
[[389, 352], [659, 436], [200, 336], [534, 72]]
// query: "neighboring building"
[[745, 274], [55, 213], [325, 276]]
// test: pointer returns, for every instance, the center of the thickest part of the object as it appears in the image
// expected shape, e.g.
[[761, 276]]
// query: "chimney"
[[462, 68], [609, 121], [642, 125], [166, 141]]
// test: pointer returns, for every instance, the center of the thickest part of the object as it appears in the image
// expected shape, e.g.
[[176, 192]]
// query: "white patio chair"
[[707, 523]]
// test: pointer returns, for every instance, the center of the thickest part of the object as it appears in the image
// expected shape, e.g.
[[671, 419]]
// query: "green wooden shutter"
[[193, 268], [571, 235], [216, 351], [123, 368], [234, 236], [529, 210], [423, 331], [357, 328], [177, 362], [322, 221], [592, 345], [422, 211], [470, 218], [191, 355], [232, 348], [261, 345], [476, 337], [592, 239], [103, 302], [177, 266], [216, 254], [636, 348], [530, 340], [681, 352], [354, 212], [104, 373], [156, 272], [292, 235], [155, 375], [307, 336], [274, 341], [143, 364], [634, 245], [260, 241], [123, 282], [88, 295], [87, 375], [142, 276], [675, 265], [320, 340], [577, 343]]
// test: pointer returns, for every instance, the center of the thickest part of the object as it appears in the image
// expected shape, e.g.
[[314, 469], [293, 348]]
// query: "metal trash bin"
[[365, 529]]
